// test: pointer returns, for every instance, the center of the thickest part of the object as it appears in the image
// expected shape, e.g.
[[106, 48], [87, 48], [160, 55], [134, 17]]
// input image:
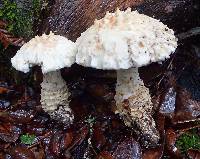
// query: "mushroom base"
[[54, 97], [134, 104]]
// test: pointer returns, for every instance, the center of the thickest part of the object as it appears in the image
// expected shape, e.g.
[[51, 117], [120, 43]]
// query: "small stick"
[[191, 32]]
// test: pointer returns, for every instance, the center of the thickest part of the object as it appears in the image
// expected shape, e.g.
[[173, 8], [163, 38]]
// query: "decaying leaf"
[[187, 109], [9, 132], [104, 155], [3, 90], [21, 153], [7, 38], [38, 152], [19, 116], [154, 153], [54, 144], [92, 91], [168, 105], [193, 154], [4, 104], [171, 137], [129, 149], [98, 136]]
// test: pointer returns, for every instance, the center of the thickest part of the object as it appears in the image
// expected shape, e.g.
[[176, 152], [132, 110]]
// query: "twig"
[[192, 32], [79, 140], [168, 67]]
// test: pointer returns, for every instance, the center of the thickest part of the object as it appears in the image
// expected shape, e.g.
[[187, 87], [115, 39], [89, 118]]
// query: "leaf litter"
[[97, 132]]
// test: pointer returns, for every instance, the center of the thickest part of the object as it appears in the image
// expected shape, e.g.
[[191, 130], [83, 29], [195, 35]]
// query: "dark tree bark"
[[72, 17]]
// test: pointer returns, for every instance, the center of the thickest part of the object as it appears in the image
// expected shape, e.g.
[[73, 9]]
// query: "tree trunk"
[[72, 17]]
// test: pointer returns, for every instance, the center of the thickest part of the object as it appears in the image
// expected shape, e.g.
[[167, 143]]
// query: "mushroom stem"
[[134, 103], [54, 97]]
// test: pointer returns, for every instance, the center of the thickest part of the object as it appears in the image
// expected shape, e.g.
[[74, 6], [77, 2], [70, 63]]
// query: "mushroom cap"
[[51, 52], [125, 39]]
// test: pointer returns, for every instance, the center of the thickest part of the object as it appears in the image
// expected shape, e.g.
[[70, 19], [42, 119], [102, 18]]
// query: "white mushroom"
[[51, 52], [124, 41]]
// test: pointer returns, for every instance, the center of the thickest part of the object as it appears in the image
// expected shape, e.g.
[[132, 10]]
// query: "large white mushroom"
[[124, 41], [51, 52]]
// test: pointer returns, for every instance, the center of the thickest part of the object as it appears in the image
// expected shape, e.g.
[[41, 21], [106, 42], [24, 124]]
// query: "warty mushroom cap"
[[125, 39], [51, 52]]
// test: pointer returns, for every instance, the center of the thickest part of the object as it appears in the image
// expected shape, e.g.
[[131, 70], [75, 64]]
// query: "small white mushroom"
[[51, 52], [124, 41]]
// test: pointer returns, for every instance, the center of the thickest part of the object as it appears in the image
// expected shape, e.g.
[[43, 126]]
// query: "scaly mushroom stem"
[[134, 103], [54, 97]]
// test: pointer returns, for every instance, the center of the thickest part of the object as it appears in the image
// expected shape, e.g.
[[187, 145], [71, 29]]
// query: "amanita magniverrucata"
[[125, 41], [51, 52]]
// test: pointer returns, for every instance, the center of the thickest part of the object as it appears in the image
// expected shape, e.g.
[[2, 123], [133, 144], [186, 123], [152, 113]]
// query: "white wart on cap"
[[124, 41], [51, 52]]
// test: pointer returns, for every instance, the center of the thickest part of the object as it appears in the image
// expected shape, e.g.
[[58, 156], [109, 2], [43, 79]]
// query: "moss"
[[188, 140], [21, 18], [27, 139]]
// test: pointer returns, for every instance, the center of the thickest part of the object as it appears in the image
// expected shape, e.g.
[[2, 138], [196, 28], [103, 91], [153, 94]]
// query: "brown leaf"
[[154, 153], [54, 144], [80, 137], [2, 24], [161, 123], [100, 91], [104, 155], [193, 154], [60, 141], [168, 103], [3, 90], [7, 38], [8, 132], [98, 136], [187, 109], [4, 104], [36, 128], [21, 116], [21, 153], [129, 149], [170, 143], [66, 140], [2, 155], [38, 152], [183, 127]]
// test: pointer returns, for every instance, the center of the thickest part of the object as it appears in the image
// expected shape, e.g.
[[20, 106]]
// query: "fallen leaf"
[[66, 140], [54, 144], [80, 137], [3, 90], [2, 24], [9, 132], [168, 104], [21, 116], [128, 149], [4, 104], [187, 109], [21, 153], [60, 141], [80, 150], [38, 152], [153, 153], [193, 154], [7, 38], [171, 143], [98, 136], [100, 91], [104, 155]]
